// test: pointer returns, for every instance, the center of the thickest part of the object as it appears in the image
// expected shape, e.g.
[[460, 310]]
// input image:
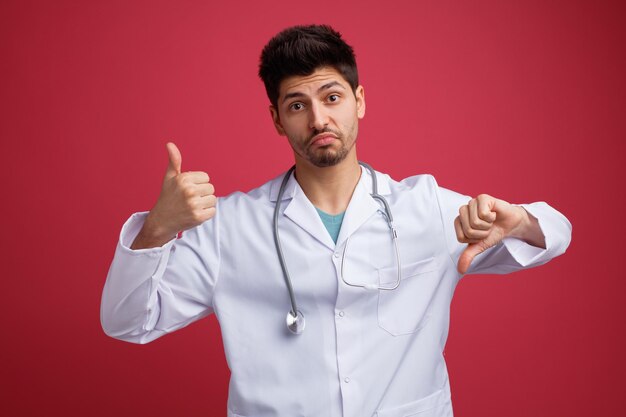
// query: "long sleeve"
[[511, 254], [152, 292]]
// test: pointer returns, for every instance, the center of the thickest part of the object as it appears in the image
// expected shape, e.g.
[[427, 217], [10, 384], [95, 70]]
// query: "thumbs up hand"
[[187, 199], [485, 220]]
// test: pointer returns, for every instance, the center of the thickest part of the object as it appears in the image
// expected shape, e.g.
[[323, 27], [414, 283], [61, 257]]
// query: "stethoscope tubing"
[[295, 318], [279, 249]]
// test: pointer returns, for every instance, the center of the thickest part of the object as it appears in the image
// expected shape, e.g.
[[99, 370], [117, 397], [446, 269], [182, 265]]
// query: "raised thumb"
[[175, 160]]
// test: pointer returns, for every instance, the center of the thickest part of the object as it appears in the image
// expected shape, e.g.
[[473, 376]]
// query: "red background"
[[522, 100]]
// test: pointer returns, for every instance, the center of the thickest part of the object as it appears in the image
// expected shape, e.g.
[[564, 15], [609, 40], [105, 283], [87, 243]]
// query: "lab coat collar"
[[302, 212], [361, 207], [292, 184]]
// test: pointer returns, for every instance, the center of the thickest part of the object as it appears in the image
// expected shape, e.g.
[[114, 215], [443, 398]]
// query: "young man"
[[373, 262]]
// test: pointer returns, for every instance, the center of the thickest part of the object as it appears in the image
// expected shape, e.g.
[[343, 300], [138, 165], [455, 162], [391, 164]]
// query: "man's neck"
[[329, 188]]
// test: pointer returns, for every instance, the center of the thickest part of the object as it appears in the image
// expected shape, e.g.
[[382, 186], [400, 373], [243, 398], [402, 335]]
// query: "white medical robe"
[[363, 352]]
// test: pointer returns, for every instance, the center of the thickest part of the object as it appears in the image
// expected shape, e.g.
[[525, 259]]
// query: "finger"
[[196, 177], [476, 222], [175, 160], [203, 214], [468, 255], [485, 207], [198, 205], [468, 231], [460, 235], [205, 189], [210, 212], [208, 202]]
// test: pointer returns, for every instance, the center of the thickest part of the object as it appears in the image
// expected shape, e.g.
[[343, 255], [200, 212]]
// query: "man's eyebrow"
[[329, 85], [322, 88], [292, 95]]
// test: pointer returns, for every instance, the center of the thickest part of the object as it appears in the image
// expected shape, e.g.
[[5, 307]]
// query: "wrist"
[[529, 230], [152, 234]]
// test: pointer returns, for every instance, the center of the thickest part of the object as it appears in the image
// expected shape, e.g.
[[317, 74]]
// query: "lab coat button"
[[346, 380], [341, 314], [336, 254]]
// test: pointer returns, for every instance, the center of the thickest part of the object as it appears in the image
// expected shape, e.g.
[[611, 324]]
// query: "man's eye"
[[296, 106], [333, 97]]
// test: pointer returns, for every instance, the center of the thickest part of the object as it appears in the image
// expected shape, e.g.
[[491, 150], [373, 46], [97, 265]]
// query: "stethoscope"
[[295, 318]]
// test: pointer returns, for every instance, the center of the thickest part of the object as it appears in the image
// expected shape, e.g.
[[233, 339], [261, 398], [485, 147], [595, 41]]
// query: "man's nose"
[[318, 118]]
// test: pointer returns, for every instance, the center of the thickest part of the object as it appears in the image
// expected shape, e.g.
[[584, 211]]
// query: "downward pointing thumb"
[[469, 254], [175, 160]]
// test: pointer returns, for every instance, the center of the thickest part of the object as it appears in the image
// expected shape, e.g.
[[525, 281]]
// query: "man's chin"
[[327, 160]]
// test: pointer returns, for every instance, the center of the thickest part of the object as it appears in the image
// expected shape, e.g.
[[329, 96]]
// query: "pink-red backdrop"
[[522, 100]]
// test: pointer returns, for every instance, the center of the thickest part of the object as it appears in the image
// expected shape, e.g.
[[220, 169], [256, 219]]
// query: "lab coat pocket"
[[435, 405], [406, 309]]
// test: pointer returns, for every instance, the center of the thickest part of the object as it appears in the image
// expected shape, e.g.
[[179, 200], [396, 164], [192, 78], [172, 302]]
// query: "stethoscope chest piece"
[[295, 323]]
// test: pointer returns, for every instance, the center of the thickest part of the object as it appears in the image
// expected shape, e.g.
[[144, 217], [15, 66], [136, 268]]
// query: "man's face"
[[320, 115]]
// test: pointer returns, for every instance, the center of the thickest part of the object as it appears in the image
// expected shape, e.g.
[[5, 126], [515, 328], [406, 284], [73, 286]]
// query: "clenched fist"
[[485, 220], [187, 199]]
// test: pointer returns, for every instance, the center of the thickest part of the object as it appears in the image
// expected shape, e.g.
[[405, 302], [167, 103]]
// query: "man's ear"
[[276, 120], [359, 94]]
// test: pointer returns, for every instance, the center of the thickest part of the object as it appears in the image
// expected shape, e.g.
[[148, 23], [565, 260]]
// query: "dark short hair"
[[300, 50]]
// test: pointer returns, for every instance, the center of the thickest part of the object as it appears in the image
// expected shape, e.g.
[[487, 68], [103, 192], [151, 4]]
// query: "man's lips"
[[323, 140]]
